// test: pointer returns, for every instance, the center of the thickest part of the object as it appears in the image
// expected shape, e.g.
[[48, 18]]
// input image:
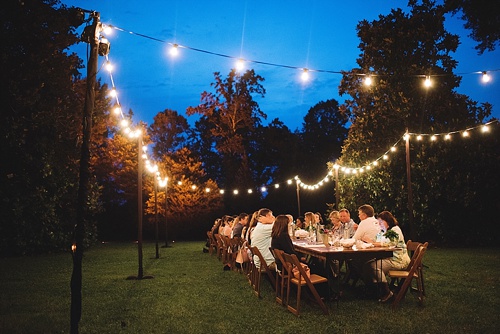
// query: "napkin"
[[363, 245]]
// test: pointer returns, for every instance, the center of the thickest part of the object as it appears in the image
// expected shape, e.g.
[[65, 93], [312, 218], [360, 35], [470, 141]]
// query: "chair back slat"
[[413, 271]]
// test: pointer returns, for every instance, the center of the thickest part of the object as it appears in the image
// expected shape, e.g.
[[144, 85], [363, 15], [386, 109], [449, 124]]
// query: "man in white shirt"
[[369, 226], [261, 237], [367, 231]]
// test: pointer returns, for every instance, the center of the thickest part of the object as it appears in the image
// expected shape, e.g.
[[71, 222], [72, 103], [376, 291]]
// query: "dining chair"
[[220, 245], [212, 243], [227, 251], [291, 261], [281, 276], [405, 277], [264, 269], [234, 245], [411, 247]]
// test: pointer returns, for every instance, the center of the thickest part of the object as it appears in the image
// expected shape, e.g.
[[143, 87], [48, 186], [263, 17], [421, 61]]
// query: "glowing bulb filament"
[[305, 75], [174, 50], [486, 77], [427, 82], [368, 81]]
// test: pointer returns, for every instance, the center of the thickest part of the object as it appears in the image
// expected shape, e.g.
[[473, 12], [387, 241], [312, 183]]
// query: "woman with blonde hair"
[[309, 220]]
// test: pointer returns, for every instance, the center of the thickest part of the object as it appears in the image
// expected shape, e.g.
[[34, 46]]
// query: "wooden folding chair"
[[411, 247], [291, 261], [212, 243], [226, 251], [234, 245], [281, 276], [406, 277], [257, 272], [220, 245]]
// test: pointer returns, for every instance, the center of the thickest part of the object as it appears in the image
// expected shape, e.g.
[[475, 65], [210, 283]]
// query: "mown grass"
[[190, 293]]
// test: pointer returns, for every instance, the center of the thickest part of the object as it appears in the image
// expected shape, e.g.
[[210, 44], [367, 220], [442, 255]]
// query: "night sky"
[[317, 35]]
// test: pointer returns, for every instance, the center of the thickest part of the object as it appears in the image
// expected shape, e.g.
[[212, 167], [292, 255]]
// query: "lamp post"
[[140, 271], [163, 184]]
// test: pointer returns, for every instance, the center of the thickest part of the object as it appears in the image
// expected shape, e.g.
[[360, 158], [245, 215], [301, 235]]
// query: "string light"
[[240, 61], [174, 50], [109, 66], [305, 76], [240, 65], [368, 80], [485, 77], [427, 82]]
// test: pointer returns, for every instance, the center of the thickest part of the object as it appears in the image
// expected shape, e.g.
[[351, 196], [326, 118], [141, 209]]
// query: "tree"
[[168, 132], [324, 131], [191, 196], [398, 49], [481, 18], [40, 122], [231, 115]]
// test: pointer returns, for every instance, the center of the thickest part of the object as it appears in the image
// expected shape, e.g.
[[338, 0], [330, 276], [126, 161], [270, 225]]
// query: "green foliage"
[[449, 191], [41, 124], [481, 18], [228, 118]]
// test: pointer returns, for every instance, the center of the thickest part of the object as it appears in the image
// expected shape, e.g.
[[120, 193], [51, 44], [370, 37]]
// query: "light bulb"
[[109, 66], [174, 50], [486, 77], [305, 75], [427, 82], [240, 65]]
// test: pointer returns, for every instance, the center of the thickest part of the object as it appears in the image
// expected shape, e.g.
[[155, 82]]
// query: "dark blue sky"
[[312, 34]]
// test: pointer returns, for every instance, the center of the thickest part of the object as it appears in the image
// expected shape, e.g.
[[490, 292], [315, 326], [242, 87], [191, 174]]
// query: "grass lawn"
[[190, 293]]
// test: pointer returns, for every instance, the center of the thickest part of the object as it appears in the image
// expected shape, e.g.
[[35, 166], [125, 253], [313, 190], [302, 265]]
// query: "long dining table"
[[331, 253]]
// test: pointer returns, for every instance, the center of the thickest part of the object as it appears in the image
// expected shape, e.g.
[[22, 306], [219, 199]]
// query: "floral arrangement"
[[391, 235]]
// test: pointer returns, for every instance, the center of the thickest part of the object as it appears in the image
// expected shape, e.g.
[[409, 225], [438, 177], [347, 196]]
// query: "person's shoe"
[[205, 250], [226, 268], [386, 298]]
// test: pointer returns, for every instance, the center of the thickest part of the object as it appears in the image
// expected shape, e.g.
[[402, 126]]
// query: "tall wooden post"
[[298, 197], [83, 185], [156, 215], [413, 235], [337, 194]]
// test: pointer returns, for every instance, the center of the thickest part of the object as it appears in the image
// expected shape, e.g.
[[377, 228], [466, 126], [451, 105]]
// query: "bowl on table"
[[347, 243]]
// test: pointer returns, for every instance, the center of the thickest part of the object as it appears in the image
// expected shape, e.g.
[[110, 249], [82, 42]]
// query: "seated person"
[[367, 232], [377, 272], [261, 237], [281, 240]]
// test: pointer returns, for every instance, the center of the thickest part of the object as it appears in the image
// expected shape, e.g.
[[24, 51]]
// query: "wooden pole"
[[413, 235], [83, 185]]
